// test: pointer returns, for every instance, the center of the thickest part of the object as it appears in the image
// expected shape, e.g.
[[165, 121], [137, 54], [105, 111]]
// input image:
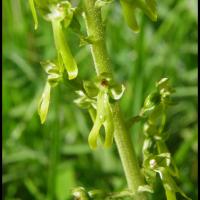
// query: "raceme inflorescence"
[[156, 156], [100, 95]]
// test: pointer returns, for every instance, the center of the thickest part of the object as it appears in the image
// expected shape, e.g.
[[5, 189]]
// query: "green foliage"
[[38, 159]]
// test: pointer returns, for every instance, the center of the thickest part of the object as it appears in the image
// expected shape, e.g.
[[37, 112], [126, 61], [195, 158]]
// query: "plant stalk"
[[95, 29]]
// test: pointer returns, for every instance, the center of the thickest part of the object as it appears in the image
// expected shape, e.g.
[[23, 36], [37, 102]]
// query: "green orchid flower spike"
[[156, 156], [54, 76], [97, 97], [57, 12], [160, 164], [157, 101], [129, 8]]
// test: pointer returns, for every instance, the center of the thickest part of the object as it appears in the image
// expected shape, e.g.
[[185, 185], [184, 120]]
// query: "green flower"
[[54, 76], [44, 103], [156, 102], [103, 117], [54, 72], [160, 164], [57, 12], [98, 96]]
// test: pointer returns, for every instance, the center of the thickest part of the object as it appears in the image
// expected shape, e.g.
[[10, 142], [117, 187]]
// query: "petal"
[[64, 50], [94, 133], [109, 127], [44, 103]]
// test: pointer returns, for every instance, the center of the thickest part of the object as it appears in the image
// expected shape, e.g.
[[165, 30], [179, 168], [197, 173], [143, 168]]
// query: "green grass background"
[[47, 161]]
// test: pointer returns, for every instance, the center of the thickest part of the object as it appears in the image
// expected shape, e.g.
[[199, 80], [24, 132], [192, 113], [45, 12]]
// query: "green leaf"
[[32, 188], [44, 103], [65, 172]]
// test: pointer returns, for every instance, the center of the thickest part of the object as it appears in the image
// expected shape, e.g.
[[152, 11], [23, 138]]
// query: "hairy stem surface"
[[95, 29]]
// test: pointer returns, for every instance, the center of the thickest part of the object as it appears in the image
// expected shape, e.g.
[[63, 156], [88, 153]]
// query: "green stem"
[[102, 64], [54, 153]]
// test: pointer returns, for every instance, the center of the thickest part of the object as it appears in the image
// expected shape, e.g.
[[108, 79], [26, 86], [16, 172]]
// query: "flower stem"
[[102, 63]]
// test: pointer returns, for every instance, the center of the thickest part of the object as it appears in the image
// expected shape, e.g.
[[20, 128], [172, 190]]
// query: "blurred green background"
[[47, 161]]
